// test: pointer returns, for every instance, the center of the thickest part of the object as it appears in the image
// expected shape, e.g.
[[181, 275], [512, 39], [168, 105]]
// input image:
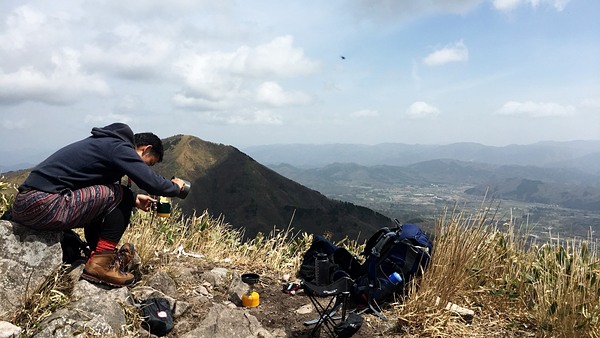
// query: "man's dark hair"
[[149, 139]]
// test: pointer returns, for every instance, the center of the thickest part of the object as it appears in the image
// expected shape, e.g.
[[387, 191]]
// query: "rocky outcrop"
[[225, 322], [8, 330], [92, 309], [28, 258]]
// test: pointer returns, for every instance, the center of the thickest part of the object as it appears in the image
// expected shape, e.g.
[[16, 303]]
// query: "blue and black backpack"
[[392, 257]]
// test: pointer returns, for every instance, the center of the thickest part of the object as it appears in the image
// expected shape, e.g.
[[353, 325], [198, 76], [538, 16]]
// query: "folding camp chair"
[[328, 300]]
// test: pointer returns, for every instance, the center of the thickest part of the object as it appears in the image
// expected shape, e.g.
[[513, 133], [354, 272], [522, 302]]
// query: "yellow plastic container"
[[250, 299]]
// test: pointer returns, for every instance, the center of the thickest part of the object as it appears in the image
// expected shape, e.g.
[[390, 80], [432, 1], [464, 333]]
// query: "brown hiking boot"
[[107, 268]]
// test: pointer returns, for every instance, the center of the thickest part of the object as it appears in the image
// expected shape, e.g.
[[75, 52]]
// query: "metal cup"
[[186, 189]]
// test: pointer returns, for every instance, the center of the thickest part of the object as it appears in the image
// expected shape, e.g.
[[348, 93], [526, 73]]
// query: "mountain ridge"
[[251, 196], [583, 154]]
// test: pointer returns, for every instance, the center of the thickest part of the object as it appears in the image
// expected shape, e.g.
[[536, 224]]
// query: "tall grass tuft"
[[516, 287], [40, 303], [7, 196]]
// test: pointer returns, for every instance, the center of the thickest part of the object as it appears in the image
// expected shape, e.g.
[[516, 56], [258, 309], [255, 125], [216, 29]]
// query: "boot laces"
[[118, 263]]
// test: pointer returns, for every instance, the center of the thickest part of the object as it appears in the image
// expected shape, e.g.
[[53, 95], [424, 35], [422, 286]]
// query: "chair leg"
[[326, 313], [345, 296]]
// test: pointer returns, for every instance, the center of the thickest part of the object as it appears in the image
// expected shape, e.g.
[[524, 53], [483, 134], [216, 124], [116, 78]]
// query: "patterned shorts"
[[67, 209]]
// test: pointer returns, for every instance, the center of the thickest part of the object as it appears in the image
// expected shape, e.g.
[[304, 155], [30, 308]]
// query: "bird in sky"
[[343, 57]]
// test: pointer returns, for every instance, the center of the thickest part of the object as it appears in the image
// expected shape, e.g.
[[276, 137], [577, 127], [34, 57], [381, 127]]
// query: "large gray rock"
[[237, 289], [8, 330], [216, 276], [225, 322], [27, 258], [94, 310], [163, 282]]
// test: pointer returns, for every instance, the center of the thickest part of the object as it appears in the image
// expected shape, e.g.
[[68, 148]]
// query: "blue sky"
[[270, 72]]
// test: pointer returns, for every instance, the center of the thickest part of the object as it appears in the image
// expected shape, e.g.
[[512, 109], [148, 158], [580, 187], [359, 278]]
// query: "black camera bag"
[[157, 315]]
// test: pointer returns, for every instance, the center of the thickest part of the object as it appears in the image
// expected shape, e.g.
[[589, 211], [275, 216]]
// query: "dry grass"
[[40, 303], [278, 252], [7, 195], [516, 288]]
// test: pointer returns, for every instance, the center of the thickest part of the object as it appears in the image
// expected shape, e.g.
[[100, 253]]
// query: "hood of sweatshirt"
[[117, 130]]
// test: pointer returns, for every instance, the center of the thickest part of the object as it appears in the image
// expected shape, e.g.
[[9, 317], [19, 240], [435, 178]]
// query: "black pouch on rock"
[[157, 315]]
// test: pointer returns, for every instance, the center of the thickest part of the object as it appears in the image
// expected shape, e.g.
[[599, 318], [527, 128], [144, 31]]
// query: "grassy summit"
[[515, 287]]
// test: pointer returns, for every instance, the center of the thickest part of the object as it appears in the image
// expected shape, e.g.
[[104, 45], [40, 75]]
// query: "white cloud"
[[591, 103], [455, 53], [221, 80], [420, 109], [23, 25], [276, 58], [144, 9], [129, 104], [130, 52], [271, 93], [37, 65], [245, 117], [535, 109], [187, 101], [210, 80], [30, 36], [64, 83], [365, 113], [257, 117], [508, 5]]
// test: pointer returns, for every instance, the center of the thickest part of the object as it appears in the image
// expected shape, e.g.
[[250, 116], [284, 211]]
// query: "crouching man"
[[79, 187]]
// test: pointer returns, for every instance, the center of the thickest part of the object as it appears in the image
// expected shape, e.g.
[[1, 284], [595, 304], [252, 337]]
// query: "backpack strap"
[[399, 226], [381, 251]]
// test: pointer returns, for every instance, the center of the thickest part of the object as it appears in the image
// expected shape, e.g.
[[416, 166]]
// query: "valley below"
[[425, 204], [548, 190]]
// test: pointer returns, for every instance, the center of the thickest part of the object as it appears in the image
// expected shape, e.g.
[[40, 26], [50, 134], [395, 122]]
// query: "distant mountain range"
[[582, 155], [565, 174]]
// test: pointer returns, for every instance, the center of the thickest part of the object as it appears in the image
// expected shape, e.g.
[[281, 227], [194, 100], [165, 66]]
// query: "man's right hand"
[[179, 182]]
